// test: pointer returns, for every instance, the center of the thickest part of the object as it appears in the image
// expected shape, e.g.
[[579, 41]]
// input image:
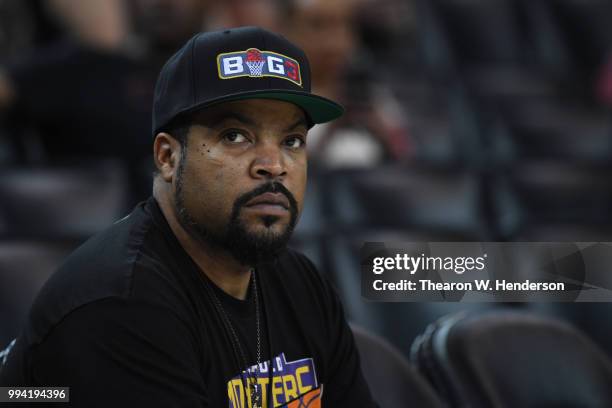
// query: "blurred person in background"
[[98, 24], [17, 27], [91, 90], [373, 131], [24, 25], [603, 84], [236, 13]]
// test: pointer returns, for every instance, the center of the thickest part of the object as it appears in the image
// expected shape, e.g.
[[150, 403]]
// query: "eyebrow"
[[225, 116], [301, 121]]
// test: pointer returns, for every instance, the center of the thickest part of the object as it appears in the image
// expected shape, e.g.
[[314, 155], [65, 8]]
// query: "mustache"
[[271, 187]]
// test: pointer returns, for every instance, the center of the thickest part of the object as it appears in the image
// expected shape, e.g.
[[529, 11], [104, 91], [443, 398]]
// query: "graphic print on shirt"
[[294, 384]]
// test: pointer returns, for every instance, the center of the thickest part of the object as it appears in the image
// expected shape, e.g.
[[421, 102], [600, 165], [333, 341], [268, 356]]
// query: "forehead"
[[266, 113]]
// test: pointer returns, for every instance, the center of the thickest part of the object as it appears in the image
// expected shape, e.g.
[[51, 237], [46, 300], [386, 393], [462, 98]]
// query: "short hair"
[[178, 128]]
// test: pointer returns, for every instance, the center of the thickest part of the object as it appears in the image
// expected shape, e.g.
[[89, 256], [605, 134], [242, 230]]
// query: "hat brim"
[[318, 108]]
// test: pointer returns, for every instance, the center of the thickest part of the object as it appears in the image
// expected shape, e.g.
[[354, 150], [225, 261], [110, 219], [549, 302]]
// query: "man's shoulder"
[[103, 263], [103, 267]]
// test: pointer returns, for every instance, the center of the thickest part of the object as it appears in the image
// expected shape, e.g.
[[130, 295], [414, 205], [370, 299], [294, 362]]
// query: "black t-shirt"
[[128, 320]]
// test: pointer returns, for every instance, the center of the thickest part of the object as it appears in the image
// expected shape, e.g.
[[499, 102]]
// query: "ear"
[[167, 154]]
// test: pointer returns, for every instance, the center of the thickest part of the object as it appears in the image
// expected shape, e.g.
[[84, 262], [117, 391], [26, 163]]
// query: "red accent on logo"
[[312, 399], [292, 70], [253, 54]]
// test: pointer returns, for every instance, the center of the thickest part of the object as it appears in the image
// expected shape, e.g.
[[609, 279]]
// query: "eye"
[[235, 136], [294, 142]]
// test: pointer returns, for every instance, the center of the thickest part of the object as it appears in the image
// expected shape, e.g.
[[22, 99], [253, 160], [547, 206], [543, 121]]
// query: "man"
[[192, 300]]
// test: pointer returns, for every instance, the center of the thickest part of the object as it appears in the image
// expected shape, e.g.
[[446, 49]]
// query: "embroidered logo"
[[256, 64]]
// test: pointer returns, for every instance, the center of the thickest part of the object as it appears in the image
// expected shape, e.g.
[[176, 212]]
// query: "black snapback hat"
[[236, 64]]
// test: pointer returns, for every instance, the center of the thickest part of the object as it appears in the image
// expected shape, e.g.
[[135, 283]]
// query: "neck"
[[218, 265]]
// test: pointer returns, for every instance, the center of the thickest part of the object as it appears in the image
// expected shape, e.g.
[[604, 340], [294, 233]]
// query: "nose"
[[268, 162]]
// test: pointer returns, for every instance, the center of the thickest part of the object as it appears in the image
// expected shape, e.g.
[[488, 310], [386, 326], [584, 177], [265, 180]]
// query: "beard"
[[248, 248]]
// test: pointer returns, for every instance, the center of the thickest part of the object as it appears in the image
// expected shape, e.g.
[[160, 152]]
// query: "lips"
[[269, 199]]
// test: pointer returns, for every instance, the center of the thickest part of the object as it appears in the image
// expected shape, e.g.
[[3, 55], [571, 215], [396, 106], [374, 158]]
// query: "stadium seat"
[[453, 31], [510, 359], [24, 268], [584, 29], [560, 130], [565, 232], [73, 201], [393, 380], [488, 50], [403, 198], [487, 44], [574, 41], [551, 192], [586, 316]]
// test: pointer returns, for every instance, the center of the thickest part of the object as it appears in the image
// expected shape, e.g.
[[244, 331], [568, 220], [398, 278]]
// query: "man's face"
[[242, 177], [168, 23], [325, 30]]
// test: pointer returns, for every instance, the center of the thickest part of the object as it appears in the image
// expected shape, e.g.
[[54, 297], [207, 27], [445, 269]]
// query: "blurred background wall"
[[475, 120]]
